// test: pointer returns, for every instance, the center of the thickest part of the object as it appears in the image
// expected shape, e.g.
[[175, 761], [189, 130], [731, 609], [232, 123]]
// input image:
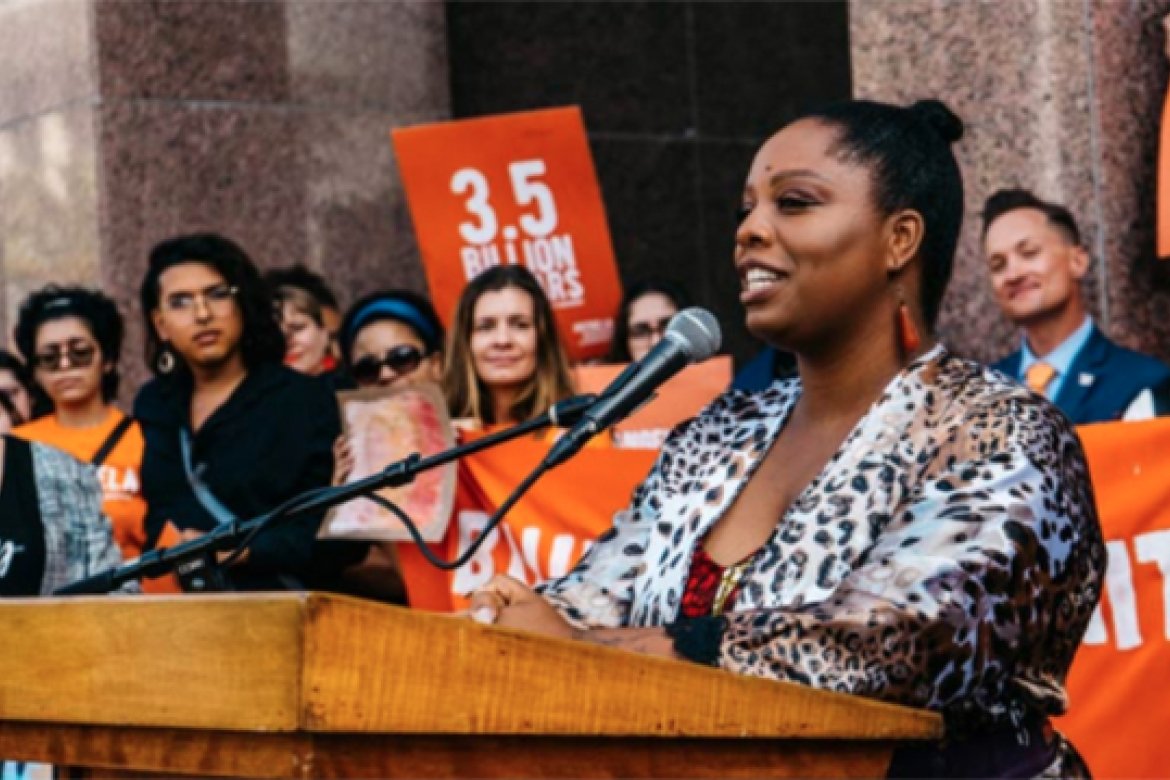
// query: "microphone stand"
[[230, 536]]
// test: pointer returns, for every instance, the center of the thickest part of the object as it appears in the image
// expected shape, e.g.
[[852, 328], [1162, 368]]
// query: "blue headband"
[[395, 309]]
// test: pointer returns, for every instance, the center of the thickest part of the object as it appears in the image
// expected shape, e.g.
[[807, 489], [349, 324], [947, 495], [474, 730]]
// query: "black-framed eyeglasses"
[[402, 360], [644, 330], [215, 299], [77, 355]]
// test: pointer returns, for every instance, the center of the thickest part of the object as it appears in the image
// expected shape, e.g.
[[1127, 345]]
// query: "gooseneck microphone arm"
[[236, 535]]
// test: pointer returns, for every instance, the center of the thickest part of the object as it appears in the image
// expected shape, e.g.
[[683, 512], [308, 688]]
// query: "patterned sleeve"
[[981, 585], [598, 592], [70, 499]]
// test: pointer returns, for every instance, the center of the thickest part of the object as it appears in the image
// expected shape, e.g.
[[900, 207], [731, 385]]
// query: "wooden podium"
[[314, 685]]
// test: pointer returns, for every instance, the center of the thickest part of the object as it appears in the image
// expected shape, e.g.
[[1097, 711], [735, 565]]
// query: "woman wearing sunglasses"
[[73, 338], [392, 337], [388, 338], [231, 433]]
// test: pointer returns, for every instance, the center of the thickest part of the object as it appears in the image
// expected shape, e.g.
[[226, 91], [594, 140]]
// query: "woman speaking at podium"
[[895, 521]]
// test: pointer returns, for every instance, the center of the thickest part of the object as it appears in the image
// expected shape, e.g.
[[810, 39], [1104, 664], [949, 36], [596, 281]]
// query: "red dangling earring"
[[907, 330]]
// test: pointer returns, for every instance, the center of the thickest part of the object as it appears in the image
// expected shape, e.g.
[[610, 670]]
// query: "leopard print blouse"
[[948, 556]]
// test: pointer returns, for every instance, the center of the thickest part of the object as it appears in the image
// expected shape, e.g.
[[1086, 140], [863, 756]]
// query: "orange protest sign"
[[543, 536], [1163, 198], [681, 398], [1118, 683], [515, 189]]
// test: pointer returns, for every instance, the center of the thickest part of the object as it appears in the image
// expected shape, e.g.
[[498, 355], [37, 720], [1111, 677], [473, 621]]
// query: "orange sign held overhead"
[[514, 189]]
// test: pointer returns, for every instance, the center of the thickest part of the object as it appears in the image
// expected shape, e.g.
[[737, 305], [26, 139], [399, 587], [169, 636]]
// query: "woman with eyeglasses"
[[73, 338], [642, 317], [231, 433], [505, 360]]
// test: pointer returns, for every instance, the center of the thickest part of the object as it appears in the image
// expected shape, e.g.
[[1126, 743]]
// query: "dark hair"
[[262, 341], [909, 153], [300, 299], [19, 369], [40, 404], [14, 418], [466, 394], [619, 348], [405, 306], [1003, 201], [99, 313], [302, 278]]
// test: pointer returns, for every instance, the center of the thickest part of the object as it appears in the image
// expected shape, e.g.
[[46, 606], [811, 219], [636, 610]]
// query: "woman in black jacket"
[[230, 432]]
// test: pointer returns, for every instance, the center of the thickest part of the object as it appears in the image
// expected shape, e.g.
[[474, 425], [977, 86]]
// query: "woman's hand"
[[342, 459], [510, 603]]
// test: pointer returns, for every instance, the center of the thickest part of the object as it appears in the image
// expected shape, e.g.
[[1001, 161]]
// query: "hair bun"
[[940, 118]]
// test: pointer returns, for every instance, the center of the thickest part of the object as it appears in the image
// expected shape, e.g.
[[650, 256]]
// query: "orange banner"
[[515, 189], [542, 536], [679, 399], [1119, 714]]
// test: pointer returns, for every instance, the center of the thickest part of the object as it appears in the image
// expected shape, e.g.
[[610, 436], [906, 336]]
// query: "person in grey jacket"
[[52, 531]]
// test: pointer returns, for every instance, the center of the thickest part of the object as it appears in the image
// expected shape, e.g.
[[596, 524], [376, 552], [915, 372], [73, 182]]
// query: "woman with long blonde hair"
[[505, 360]]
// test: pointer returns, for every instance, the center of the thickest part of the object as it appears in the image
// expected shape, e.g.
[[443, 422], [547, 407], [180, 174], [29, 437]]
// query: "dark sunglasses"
[[78, 355], [401, 360]]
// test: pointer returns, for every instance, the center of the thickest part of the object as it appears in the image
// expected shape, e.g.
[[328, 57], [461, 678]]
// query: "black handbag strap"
[[112, 440]]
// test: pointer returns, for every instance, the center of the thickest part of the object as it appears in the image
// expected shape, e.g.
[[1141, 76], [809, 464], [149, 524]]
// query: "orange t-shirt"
[[120, 474]]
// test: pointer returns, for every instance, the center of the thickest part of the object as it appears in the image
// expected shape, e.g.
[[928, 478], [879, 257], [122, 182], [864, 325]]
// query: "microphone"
[[691, 337]]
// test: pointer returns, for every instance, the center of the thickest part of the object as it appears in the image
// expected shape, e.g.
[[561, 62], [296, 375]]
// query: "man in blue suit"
[[1036, 263]]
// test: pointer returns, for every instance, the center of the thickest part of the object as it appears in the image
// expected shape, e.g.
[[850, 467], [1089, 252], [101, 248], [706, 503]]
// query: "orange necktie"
[[1038, 375]]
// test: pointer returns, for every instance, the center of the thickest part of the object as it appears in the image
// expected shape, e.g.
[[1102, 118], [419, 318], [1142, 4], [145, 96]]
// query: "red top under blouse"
[[703, 585]]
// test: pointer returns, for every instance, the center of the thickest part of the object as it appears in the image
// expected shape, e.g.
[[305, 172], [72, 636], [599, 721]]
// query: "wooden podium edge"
[[125, 752], [493, 676]]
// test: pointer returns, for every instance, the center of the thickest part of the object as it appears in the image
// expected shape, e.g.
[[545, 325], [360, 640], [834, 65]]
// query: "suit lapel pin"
[[1086, 380]]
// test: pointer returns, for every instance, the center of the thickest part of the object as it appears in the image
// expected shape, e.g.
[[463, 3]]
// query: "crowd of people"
[[241, 413], [865, 511]]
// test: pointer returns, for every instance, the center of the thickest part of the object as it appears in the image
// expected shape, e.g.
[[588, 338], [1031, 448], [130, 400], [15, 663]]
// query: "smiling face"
[[503, 338], [813, 254], [1035, 268], [199, 316], [68, 362]]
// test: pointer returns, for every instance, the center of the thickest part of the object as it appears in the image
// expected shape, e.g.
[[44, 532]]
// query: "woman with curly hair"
[[73, 339], [230, 431]]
